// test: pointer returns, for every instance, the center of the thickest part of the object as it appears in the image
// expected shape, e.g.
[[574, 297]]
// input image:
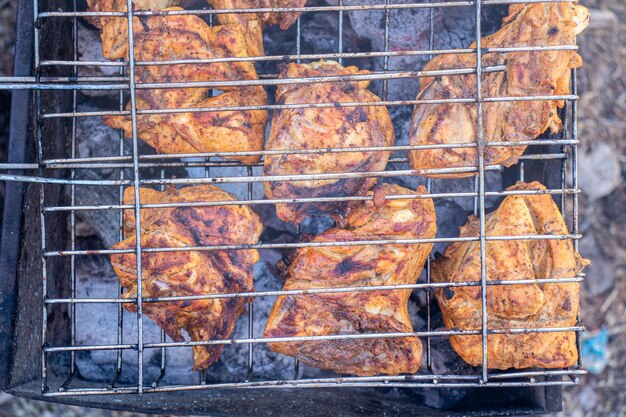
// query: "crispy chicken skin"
[[318, 128], [187, 273], [114, 30], [364, 312], [252, 23], [514, 306], [526, 74], [159, 38]]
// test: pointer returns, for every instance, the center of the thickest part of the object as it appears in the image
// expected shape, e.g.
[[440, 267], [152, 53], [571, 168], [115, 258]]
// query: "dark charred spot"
[[348, 265], [349, 88], [357, 116], [448, 293], [247, 125], [186, 303], [567, 305], [144, 22], [553, 31]]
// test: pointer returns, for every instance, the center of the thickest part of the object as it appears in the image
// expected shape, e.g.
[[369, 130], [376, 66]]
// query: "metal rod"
[[314, 244], [298, 57], [481, 189], [389, 335], [290, 9], [138, 249], [320, 290], [434, 196]]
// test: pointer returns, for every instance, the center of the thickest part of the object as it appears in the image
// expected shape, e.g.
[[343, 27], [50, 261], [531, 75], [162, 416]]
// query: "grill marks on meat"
[[251, 24], [514, 306], [165, 38], [319, 128], [365, 312], [190, 272], [527, 74]]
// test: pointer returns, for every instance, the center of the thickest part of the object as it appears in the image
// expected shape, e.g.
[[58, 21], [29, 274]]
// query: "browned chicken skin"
[[364, 312], [514, 306], [115, 29], [526, 74], [252, 23], [186, 273], [160, 38], [318, 128]]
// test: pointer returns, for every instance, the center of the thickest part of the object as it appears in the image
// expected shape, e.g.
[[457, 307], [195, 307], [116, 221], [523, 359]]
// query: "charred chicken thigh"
[[529, 73], [176, 37], [318, 128], [519, 305], [363, 312], [189, 272]]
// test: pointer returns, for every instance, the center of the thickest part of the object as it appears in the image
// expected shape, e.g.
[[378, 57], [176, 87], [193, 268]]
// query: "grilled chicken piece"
[[514, 306], [318, 128], [527, 74], [161, 38], [187, 273], [252, 23], [363, 312], [114, 30]]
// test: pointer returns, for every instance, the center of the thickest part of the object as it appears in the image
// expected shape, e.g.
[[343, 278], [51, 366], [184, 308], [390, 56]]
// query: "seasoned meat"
[[318, 128], [252, 23], [189, 272], [526, 74], [114, 30], [165, 38], [363, 312], [514, 306]]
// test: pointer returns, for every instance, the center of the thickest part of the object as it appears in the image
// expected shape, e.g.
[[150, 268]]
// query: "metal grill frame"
[[567, 141]]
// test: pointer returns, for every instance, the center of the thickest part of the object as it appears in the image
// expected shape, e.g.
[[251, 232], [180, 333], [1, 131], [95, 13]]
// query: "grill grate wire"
[[125, 81]]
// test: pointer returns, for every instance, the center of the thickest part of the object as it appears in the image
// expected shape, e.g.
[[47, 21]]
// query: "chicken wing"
[[514, 306], [252, 23], [318, 128], [363, 312], [530, 73], [187, 273], [114, 30], [164, 38]]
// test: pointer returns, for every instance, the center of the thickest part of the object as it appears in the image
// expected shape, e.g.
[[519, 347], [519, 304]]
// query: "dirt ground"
[[602, 130]]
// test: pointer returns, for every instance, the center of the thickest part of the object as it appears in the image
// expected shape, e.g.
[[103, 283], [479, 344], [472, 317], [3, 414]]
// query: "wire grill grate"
[[51, 170]]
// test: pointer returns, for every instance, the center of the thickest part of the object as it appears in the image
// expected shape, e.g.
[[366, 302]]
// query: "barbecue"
[[107, 125]]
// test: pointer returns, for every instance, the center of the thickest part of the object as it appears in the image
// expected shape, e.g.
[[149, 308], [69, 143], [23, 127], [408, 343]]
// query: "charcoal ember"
[[233, 363], [493, 182], [409, 30], [445, 361], [96, 279], [90, 49]]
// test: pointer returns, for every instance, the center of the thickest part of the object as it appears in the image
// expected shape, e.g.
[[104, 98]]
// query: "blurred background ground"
[[602, 130]]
